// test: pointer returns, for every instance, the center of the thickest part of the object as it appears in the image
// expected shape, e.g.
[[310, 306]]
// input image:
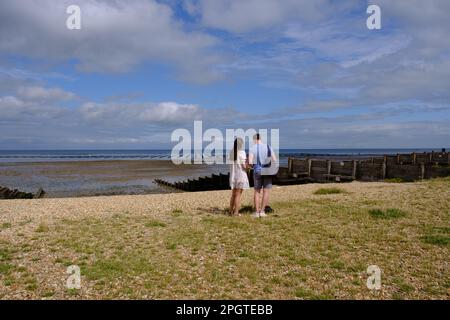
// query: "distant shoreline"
[[33, 156]]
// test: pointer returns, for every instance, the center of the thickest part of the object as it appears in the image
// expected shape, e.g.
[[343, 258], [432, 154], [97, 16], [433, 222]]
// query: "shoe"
[[262, 214], [255, 215], [268, 209]]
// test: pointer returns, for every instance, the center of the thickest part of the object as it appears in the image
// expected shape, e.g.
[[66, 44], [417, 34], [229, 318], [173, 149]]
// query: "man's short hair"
[[257, 137]]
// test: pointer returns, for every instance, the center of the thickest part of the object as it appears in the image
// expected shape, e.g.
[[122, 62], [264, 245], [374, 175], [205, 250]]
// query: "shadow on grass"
[[216, 210], [246, 209]]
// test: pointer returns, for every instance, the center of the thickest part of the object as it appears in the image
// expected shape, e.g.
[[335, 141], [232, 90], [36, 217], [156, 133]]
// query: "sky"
[[139, 69]]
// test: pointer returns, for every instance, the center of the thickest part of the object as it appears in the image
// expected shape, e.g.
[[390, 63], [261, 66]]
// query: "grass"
[[314, 248], [177, 211], [154, 223], [5, 268], [5, 225], [437, 236], [323, 191], [436, 239], [6, 256], [391, 213], [394, 180]]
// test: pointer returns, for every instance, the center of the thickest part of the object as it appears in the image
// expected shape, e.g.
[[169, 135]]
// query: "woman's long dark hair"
[[238, 142]]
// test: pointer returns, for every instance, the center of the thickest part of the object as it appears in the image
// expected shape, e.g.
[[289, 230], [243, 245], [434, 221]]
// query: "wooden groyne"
[[403, 167], [6, 193], [208, 183]]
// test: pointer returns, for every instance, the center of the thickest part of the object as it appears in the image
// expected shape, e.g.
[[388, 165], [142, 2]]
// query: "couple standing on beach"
[[260, 157]]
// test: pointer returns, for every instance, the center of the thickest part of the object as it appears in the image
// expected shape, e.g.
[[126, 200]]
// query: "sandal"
[[268, 209]]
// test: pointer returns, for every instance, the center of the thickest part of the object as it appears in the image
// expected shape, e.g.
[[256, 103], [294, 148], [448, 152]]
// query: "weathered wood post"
[[290, 165], [422, 171], [414, 157], [398, 158], [355, 165], [383, 170], [328, 166], [309, 167]]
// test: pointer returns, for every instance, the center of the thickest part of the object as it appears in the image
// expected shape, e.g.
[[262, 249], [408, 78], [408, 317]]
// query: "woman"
[[238, 175]]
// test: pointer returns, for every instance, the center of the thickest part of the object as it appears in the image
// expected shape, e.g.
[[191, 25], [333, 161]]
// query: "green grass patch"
[[155, 223], [391, 213], [436, 239], [48, 294], [5, 254], [394, 180], [437, 236], [303, 293], [323, 191], [105, 268], [171, 246], [5, 268], [5, 225], [403, 286], [5, 257], [73, 292], [336, 264]]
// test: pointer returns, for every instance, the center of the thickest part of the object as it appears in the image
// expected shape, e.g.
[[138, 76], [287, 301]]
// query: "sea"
[[92, 155]]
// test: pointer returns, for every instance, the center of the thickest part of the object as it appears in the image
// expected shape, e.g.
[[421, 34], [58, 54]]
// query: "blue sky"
[[139, 69]]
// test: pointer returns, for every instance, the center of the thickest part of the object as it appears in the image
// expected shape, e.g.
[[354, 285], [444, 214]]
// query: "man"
[[260, 156]]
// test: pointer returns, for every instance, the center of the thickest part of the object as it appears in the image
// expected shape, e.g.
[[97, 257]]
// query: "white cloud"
[[145, 113], [115, 36], [41, 93], [378, 83], [246, 16], [14, 110], [140, 125]]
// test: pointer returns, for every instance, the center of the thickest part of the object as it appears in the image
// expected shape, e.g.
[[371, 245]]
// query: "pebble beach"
[[184, 246]]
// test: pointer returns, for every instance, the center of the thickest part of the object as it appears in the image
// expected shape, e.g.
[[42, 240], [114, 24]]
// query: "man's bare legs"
[[265, 199], [257, 200]]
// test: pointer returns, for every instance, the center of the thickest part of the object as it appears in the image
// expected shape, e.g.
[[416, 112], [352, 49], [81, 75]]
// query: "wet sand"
[[106, 177], [91, 178]]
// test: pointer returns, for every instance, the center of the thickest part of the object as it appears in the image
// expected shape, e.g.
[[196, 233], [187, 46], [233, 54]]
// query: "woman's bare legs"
[[232, 201], [237, 201]]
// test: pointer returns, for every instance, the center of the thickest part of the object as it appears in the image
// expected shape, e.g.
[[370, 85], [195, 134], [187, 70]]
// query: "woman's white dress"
[[238, 175]]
